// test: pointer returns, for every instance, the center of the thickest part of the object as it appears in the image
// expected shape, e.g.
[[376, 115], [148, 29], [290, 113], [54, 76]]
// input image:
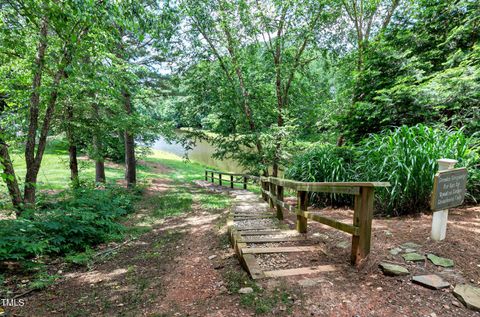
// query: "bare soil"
[[366, 291], [180, 268]]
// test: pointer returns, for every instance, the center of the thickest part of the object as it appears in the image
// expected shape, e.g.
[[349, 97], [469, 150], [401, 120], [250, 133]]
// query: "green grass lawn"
[[55, 174]]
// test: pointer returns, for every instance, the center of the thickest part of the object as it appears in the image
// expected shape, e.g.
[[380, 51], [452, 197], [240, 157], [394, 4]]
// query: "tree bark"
[[32, 171], [11, 179], [8, 170], [33, 167], [130, 163], [72, 147], [98, 149]]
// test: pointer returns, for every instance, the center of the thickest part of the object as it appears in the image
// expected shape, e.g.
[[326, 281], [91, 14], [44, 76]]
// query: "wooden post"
[[220, 179], [280, 198], [440, 217], [244, 182], [302, 203], [212, 178], [264, 196], [271, 189], [362, 218], [206, 175], [231, 181]]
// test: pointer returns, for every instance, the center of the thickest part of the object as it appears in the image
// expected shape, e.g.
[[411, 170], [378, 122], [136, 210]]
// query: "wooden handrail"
[[272, 191]]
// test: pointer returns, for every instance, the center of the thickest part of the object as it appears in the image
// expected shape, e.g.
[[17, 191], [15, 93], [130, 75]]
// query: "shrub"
[[406, 157], [88, 217], [324, 163]]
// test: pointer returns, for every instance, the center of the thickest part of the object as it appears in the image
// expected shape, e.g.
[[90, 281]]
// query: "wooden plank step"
[[300, 271], [276, 239], [251, 218], [266, 232], [253, 267], [252, 214], [309, 248], [255, 228]]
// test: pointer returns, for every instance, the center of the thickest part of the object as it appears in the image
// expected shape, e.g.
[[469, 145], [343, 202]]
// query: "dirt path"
[[184, 266], [173, 270]]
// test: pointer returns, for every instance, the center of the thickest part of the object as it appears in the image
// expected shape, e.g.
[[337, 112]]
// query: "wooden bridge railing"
[[273, 192]]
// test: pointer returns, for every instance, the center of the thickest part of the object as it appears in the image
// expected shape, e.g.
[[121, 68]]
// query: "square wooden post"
[[264, 196], [244, 182], [279, 206], [362, 218], [302, 203], [206, 175], [212, 178], [231, 181], [220, 179], [271, 189]]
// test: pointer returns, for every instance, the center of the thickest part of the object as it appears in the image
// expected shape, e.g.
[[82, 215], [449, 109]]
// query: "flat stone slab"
[[307, 283], [468, 295], [431, 281], [395, 251], [393, 269], [414, 257], [410, 245], [439, 261], [343, 244], [245, 290]]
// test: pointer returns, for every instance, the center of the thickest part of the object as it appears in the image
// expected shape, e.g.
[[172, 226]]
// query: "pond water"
[[202, 153]]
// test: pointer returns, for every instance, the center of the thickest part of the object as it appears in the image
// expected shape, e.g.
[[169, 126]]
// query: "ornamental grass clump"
[[407, 158], [324, 163]]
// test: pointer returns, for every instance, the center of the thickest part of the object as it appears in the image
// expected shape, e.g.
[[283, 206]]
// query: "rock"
[[307, 283], [393, 269], [245, 290], [218, 266], [388, 233], [211, 257], [413, 257], [455, 303], [431, 281], [410, 250], [410, 245], [439, 261], [343, 244], [320, 235], [395, 251], [468, 295]]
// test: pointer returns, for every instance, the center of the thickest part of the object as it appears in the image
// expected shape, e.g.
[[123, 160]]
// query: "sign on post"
[[449, 188]]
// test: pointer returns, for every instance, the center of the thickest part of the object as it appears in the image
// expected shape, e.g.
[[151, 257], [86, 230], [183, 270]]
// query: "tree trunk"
[[72, 151], [11, 179], [98, 149], [72, 147], [8, 170], [130, 163], [32, 170], [33, 167], [100, 171]]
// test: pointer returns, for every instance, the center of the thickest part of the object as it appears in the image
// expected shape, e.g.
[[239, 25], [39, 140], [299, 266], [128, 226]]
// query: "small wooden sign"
[[449, 188]]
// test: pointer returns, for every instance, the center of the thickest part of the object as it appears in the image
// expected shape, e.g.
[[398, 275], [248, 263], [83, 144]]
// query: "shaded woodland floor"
[[184, 266]]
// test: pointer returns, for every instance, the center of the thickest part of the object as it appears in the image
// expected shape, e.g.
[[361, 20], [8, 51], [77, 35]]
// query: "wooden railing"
[[273, 192], [233, 178]]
